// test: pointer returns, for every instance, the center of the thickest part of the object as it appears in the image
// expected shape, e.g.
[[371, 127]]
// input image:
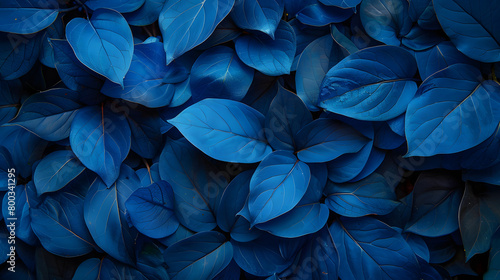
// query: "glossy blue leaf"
[[452, 105], [279, 175], [122, 6], [341, 3], [436, 200], [18, 54], [474, 34], [190, 258], [56, 170], [373, 84], [145, 132], [225, 130], [10, 99], [49, 114], [260, 15], [104, 212], [27, 16], [325, 139], [385, 20], [54, 31], [369, 248], [272, 57], [187, 24], [494, 259], [104, 43], [219, 73], [195, 182], [147, 14], [318, 14], [479, 217], [151, 210], [286, 116], [100, 139]]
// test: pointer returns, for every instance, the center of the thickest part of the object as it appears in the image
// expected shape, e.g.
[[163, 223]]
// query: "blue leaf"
[[419, 39], [122, 6], [27, 16], [441, 249], [452, 105], [372, 195], [49, 114], [233, 200], [151, 210], [313, 64], [242, 231], [73, 73], [373, 84], [436, 198], [494, 259], [348, 47], [180, 234], [272, 57], [219, 73], [145, 132], [292, 7], [386, 138], [10, 99], [104, 43], [226, 31], [225, 130], [385, 20], [194, 180], [18, 54], [374, 160], [143, 83], [318, 14], [105, 268], [147, 14], [54, 31], [287, 115], [418, 246], [5, 165], [56, 170], [369, 248], [261, 93], [260, 15], [279, 175], [189, 258], [149, 175], [101, 141], [474, 34], [341, 3], [325, 139], [104, 212], [187, 24], [400, 216], [479, 217], [21, 217], [422, 12]]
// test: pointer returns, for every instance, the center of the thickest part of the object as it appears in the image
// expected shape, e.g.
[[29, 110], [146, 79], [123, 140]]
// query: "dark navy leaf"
[[292, 7], [400, 216], [103, 43], [54, 31], [386, 138], [479, 217], [242, 231], [233, 200], [436, 198], [341, 3], [105, 268], [18, 54], [318, 14], [187, 24], [348, 47], [422, 12], [385, 20], [287, 115], [122, 6], [100, 139], [374, 160], [27, 16], [260, 15], [21, 215], [272, 57], [225, 130], [452, 105], [147, 14], [180, 234], [373, 84], [474, 34], [226, 31], [146, 134], [190, 258], [49, 114], [10, 99], [5, 165], [369, 248], [219, 73], [419, 39], [441, 249], [418, 246], [494, 259], [231, 272], [325, 139], [151, 210], [261, 93]]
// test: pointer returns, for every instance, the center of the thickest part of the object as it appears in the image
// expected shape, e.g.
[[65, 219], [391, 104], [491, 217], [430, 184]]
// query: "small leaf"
[[260, 15], [318, 14]]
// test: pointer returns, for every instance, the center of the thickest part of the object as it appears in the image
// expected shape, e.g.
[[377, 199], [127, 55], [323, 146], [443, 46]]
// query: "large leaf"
[[101, 141], [187, 24], [104, 43], [225, 130], [453, 111], [261, 15], [18, 54], [369, 248], [373, 84], [122, 6], [151, 210], [270, 56], [49, 114], [474, 34], [190, 258], [27, 16]]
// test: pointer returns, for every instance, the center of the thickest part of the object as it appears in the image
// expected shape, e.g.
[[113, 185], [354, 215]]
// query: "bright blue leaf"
[[225, 130], [369, 248], [374, 84], [219, 73], [146, 134], [341, 3], [272, 57], [146, 14], [100, 139], [10, 99], [494, 259], [151, 210], [453, 111], [54, 31], [187, 24], [474, 34], [190, 258], [27, 16], [318, 14], [260, 15], [18, 54], [104, 43], [122, 6]]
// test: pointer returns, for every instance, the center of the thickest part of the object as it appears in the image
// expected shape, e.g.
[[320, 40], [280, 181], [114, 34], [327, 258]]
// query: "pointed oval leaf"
[[260, 15], [233, 200], [318, 14], [27, 16]]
